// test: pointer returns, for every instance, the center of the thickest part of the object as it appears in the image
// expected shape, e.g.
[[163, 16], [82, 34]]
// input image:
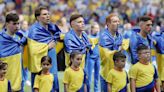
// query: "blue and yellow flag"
[[108, 45], [159, 38], [10, 52], [136, 40], [74, 43], [39, 37]]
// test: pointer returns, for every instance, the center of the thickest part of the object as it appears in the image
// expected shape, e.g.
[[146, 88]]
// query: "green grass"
[[61, 85], [60, 76]]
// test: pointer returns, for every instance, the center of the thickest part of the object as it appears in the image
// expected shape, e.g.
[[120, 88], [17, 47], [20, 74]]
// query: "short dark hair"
[[118, 55], [12, 17], [74, 16], [39, 9], [144, 18], [142, 47], [46, 58]]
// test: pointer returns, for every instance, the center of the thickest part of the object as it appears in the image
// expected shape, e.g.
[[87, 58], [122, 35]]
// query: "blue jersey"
[[95, 49]]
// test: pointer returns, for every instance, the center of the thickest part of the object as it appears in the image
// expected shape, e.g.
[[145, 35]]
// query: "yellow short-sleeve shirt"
[[74, 79], [144, 74], [118, 79], [44, 82]]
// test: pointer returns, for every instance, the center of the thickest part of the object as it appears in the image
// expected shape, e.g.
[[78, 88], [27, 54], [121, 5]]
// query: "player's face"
[[95, 29], [78, 24], [44, 17], [46, 65], [13, 26], [76, 61], [114, 23], [145, 55], [146, 27], [25, 25], [121, 63]]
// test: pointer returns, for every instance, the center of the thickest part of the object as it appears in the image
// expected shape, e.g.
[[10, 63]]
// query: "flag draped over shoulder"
[[108, 45], [159, 38], [38, 40], [74, 43], [10, 52], [136, 40]]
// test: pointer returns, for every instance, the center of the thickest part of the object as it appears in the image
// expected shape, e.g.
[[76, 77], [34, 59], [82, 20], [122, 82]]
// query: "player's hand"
[[51, 44], [120, 48]]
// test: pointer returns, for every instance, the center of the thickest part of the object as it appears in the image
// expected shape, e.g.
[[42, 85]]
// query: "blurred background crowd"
[[92, 10]]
